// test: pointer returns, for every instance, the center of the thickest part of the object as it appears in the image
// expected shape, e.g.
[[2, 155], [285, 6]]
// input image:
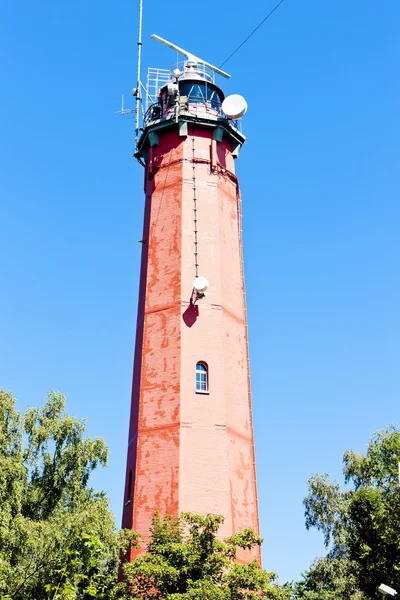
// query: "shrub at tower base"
[[58, 538], [185, 560]]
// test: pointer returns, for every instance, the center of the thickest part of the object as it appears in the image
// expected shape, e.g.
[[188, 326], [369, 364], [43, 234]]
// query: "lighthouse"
[[190, 442]]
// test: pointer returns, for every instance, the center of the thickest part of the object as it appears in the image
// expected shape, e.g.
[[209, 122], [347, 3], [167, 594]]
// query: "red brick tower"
[[190, 445]]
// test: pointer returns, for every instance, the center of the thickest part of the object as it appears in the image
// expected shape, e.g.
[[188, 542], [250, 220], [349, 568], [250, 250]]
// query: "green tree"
[[185, 560], [57, 537], [360, 524]]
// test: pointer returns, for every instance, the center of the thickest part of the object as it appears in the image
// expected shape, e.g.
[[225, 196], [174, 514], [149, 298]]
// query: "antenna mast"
[[138, 91]]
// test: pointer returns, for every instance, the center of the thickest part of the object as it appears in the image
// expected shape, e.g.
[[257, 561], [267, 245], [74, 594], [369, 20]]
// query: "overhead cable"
[[252, 33]]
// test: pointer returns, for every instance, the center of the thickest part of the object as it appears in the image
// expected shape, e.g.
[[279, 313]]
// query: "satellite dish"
[[200, 284], [234, 106]]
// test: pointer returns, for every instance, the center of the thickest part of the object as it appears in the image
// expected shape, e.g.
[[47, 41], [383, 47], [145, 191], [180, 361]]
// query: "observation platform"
[[188, 95]]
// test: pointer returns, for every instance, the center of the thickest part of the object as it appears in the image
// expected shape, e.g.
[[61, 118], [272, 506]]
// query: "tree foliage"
[[360, 524], [186, 560], [57, 536]]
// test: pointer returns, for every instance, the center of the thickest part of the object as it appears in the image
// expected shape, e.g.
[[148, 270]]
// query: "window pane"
[[199, 93], [201, 377]]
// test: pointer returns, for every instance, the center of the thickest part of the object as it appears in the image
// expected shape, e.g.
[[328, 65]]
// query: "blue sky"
[[320, 185]]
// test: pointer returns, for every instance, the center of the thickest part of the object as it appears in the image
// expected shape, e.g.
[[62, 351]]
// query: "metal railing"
[[191, 106]]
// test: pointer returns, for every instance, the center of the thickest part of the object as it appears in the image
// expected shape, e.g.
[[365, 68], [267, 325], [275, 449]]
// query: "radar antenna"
[[191, 57]]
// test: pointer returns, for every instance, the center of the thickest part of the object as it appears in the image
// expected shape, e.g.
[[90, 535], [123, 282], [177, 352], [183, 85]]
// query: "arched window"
[[201, 377]]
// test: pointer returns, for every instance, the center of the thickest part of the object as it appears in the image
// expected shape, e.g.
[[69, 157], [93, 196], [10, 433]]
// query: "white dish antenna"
[[234, 106], [191, 57], [200, 284]]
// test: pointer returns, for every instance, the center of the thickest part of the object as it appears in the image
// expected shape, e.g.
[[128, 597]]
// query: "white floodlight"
[[191, 57], [385, 589], [200, 286]]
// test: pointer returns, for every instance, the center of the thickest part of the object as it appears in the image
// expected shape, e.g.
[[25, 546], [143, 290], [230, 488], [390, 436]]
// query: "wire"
[[252, 33]]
